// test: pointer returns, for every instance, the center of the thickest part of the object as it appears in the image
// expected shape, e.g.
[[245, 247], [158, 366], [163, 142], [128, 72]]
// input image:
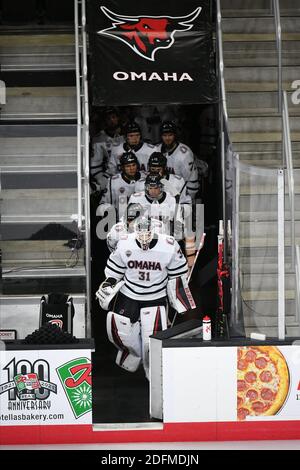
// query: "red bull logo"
[[145, 35]]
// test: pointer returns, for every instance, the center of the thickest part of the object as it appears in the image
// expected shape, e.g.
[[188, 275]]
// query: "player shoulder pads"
[[183, 148], [119, 226], [170, 240]]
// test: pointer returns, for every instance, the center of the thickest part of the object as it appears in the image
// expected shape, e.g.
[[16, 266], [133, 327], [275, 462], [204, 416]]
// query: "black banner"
[[151, 53]]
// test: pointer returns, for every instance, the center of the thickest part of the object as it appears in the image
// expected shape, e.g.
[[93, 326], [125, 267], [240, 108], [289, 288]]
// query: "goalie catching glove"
[[107, 291]]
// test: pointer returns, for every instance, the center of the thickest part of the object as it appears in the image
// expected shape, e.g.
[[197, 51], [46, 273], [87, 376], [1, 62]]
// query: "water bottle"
[[206, 325]]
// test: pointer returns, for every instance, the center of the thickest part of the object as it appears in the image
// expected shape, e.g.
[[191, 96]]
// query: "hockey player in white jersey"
[[121, 186], [180, 158], [126, 225], [134, 143], [102, 145], [173, 184], [142, 270], [158, 204]]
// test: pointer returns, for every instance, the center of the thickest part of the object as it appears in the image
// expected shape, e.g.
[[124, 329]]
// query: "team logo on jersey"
[[128, 253], [122, 190], [148, 265], [145, 35]]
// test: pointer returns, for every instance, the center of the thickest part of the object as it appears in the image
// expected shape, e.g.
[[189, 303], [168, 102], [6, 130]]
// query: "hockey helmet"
[[127, 158], [111, 110], [144, 232], [168, 127], [132, 127], [157, 160], [133, 211]]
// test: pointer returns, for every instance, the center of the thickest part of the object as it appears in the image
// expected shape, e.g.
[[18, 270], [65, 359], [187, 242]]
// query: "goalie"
[[145, 268]]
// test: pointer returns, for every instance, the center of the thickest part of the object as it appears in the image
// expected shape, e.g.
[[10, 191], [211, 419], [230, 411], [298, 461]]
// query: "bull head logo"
[[147, 34]]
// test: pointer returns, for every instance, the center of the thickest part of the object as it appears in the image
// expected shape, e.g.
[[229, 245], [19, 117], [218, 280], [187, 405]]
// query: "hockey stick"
[[201, 243]]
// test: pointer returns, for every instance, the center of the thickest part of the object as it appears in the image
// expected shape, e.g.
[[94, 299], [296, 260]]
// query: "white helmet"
[[144, 232]]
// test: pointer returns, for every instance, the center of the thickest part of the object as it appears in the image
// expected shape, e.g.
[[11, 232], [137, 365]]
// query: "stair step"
[[255, 4], [268, 163], [259, 53], [35, 253], [267, 308], [272, 332], [256, 86], [266, 295], [259, 37], [265, 281], [39, 154], [263, 242], [40, 281], [39, 181], [263, 147], [56, 273], [261, 103], [263, 228], [27, 42], [261, 137], [251, 188], [257, 12], [268, 322], [260, 74], [67, 230], [37, 130], [248, 266], [263, 254], [38, 205], [262, 125], [39, 103], [256, 25], [37, 52], [270, 215]]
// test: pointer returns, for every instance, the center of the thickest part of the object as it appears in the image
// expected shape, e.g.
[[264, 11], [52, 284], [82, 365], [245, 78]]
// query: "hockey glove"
[[107, 290]]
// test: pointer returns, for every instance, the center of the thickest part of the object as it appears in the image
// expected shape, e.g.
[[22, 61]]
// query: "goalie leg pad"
[[126, 337], [179, 294], [153, 319]]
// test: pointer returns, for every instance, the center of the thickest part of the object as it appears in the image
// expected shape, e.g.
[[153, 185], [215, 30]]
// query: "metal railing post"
[[79, 121], [276, 10], [287, 150], [235, 241], [297, 280], [86, 169], [281, 257]]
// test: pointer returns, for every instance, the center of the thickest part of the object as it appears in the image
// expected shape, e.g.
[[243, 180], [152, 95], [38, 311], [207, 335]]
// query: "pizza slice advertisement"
[[263, 381]]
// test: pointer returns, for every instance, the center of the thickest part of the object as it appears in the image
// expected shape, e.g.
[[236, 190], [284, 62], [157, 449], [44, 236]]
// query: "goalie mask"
[[144, 232]]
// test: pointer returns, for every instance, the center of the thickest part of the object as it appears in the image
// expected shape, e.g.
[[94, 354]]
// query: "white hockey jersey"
[[181, 162], [146, 272], [119, 186], [142, 153], [102, 145], [120, 228], [173, 184], [165, 209]]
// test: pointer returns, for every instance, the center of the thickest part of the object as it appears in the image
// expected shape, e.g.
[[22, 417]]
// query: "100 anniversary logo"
[[28, 381]]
